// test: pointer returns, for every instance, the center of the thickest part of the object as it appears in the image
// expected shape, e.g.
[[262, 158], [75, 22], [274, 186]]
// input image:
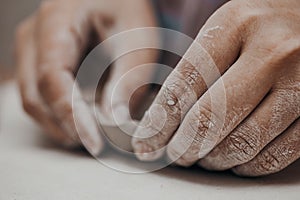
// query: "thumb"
[[128, 88]]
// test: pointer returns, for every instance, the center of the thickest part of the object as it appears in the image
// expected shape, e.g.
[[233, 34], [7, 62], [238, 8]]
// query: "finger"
[[129, 70], [276, 156], [125, 90], [59, 48], [130, 76], [27, 79], [211, 119], [202, 65], [274, 115]]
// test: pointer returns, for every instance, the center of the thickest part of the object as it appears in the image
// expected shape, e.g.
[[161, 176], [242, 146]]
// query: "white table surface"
[[32, 168]]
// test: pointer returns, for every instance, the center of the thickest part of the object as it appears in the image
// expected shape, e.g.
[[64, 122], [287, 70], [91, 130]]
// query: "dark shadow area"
[[194, 174], [47, 144], [197, 175]]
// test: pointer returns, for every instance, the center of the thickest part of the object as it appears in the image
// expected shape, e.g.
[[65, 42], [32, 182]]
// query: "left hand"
[[255, 45], [50, 46]]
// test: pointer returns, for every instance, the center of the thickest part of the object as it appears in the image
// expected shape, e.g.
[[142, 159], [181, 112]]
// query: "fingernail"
[[87, 128], [206, 146], [92, 143], [172, 154], [204, 163], [146, 153], [70, 144], [70, 130], [121, 114], [176, 158]]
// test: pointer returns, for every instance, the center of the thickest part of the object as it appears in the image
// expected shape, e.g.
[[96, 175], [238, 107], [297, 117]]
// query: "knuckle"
[[230, 6], [63, 30], [286, 48], [30, 106], [206, 118], [177, 95], [47, 7], [170, 101], [204, 121], [235, 8], [174, 85], [195, 131], [269, 163], [198, 123], [47, 85], [22, 29], [44, 80], [54, 7], [242, 145], [66, 109], [181, 82], [290, 47], [188, 73]]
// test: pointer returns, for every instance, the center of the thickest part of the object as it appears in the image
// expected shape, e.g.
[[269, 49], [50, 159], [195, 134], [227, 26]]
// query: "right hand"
[[49, 47]]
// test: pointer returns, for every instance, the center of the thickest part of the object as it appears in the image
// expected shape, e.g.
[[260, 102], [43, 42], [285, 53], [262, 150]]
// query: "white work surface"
[[33, 169]]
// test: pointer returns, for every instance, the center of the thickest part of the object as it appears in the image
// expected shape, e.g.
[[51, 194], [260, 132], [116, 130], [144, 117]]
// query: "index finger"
[[200, 67], [60, 45]]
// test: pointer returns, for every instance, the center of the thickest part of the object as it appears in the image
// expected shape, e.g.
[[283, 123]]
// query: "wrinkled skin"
[[49, 48], [247, 121], [247, 117]]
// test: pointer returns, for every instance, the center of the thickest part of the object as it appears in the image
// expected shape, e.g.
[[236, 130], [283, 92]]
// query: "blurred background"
[[11, 14]]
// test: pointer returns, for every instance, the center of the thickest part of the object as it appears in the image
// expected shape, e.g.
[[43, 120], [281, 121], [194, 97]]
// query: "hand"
[[246, 119], [49, 48]]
